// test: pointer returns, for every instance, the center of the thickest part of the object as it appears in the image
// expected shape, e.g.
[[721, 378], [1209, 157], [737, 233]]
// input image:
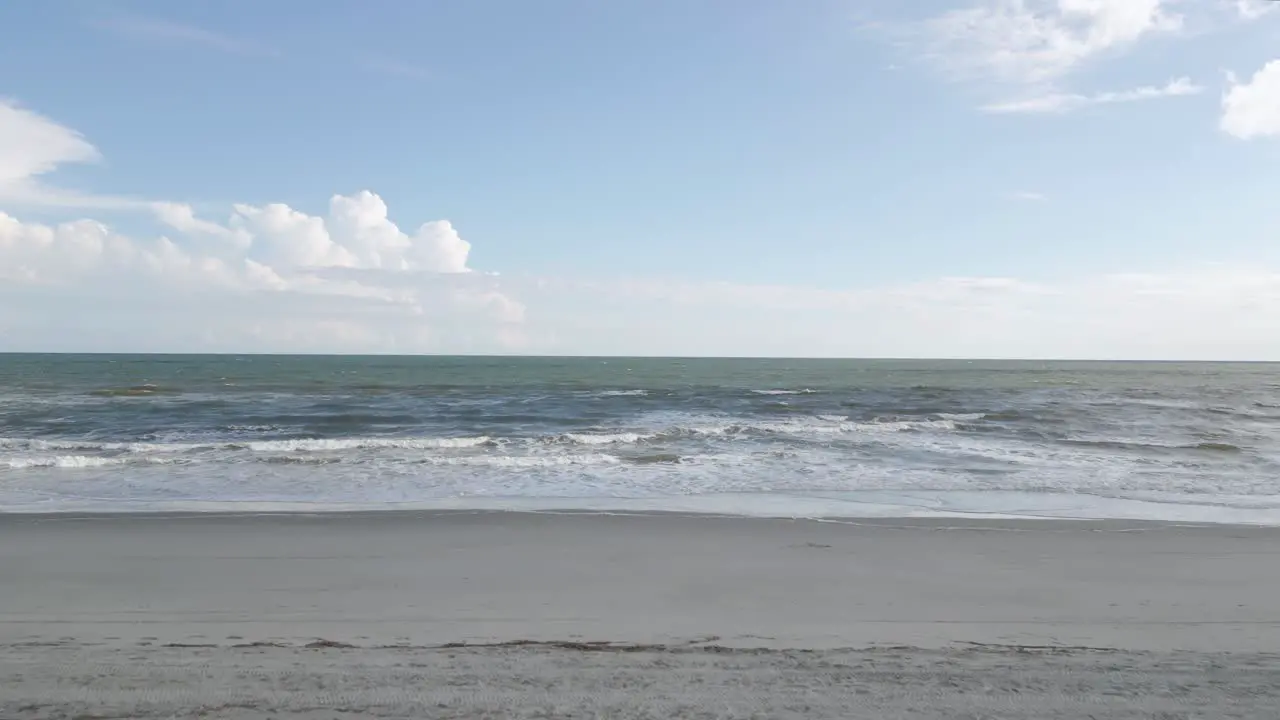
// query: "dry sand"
[[655, 616]]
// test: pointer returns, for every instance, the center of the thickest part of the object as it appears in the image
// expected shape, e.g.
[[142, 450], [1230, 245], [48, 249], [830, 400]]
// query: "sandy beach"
[[575, 615]]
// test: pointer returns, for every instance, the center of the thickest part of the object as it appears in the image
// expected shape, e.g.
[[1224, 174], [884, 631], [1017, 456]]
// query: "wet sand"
[[633, 616]]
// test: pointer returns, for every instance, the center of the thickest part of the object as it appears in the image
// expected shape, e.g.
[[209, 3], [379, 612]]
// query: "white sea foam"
[[71, 462], [523, 461], [603, 438], [846, 508], [819, 425], [291, 445], [679, 427], [90, 446], [622, 393], [962, 417], [365, 443], [805, 391]]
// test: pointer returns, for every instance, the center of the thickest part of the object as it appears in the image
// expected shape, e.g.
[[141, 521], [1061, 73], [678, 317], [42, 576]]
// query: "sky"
[[847, 178]]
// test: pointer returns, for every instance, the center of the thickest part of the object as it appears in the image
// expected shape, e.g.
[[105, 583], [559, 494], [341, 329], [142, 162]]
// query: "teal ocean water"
[[834, 438]]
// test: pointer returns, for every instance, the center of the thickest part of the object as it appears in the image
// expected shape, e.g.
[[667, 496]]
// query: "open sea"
[[1192, 442]]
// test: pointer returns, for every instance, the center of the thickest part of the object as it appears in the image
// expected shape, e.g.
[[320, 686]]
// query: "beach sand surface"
[[495, 615]]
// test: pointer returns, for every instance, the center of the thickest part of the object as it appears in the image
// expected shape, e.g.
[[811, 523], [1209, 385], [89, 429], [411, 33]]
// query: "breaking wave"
[[522, 461], [693, 427], [368, 443], [74, 462]]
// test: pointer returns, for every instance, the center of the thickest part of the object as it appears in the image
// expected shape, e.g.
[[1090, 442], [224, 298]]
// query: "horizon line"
[[515, 356]]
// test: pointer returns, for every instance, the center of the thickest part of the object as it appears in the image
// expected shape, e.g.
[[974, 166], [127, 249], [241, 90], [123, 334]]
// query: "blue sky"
[[1082, 178]]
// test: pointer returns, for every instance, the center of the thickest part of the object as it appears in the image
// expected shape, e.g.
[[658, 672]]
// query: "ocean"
[[1194, 442]]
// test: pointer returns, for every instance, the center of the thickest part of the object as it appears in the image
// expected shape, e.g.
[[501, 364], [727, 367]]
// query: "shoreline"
[[949, 522], [861, 506], [977, 523]]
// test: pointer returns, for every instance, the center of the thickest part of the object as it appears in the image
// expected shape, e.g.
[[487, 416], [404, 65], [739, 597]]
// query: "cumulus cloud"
[[1058, 102], [1251, 108], [357, 233], [272, 277]]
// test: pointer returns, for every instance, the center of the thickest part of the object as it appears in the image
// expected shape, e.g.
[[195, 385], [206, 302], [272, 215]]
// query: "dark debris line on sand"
[[322, 680]]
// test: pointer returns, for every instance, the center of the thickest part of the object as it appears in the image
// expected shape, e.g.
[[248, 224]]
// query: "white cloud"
[[183, 218], [273, 279], [1027, 196], [356, 234], [1040, 41], [1251, 109], [32, 146], [1254, 9], [1057, 102]]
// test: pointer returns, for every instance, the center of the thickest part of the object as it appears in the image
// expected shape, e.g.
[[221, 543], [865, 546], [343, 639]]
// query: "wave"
[[521, 461], [1219, 447], [1142, 446], [600, 438], [805, 391], [704, 428], [366, 443], [143, 390], [73, 461], [301, 460], [658, 459], [621, 393], [962, 417], [873, 426], [828, 425], [292, 445]]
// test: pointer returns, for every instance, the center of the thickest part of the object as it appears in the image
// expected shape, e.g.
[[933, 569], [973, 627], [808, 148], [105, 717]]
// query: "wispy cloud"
[[1038, 42], [1025, 55], [389, 66], [1027, 196], [1059, 102], [32, 146], [175, 32], [1254, 9]]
